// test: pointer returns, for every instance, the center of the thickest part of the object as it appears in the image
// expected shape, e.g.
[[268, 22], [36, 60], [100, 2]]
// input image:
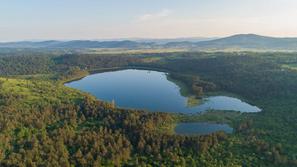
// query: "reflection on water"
[[226, 103], [150, 90]]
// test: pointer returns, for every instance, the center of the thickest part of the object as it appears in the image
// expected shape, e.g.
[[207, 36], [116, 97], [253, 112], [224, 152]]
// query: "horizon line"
[[141, 38]]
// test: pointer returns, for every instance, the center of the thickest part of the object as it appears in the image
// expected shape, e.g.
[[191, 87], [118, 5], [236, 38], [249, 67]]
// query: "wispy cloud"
[[153, 16]]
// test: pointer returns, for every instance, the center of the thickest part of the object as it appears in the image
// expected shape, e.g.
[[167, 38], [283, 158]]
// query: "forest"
[[44, 123]]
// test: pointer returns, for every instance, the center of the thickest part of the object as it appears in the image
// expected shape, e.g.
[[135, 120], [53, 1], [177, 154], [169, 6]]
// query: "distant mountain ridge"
[[251, 41], [240, 41], [75, 44]]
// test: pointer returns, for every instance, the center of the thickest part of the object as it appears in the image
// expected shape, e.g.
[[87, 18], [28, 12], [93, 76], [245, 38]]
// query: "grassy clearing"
[[290, 66], [212, 116], [133, 51], [33, 92]]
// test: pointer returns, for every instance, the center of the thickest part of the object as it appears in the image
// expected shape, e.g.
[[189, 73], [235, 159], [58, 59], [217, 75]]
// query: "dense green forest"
[[44, 123]]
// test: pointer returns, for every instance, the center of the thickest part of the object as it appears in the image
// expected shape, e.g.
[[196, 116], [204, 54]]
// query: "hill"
[[76, 44], [243, 41], [235, 42]]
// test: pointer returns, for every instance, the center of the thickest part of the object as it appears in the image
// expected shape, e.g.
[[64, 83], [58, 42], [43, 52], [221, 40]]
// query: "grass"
[[33, 92], [132, 51], [290, 66], [212, 116], [41, 77]]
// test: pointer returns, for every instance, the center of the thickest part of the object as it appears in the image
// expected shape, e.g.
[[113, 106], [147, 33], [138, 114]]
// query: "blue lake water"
[[150, 90], [201, 128]]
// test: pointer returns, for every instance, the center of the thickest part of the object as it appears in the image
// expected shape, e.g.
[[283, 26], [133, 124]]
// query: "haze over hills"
[[75, 44], [241, 42], [170, 40]]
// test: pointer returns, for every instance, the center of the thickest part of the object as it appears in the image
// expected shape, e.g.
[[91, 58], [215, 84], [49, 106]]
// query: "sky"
[[114, 19]]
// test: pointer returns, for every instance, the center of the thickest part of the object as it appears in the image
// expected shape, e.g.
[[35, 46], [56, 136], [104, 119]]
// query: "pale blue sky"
[[101, 19]]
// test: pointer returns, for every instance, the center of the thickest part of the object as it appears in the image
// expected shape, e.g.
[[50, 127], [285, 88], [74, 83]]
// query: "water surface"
[[150, 90]]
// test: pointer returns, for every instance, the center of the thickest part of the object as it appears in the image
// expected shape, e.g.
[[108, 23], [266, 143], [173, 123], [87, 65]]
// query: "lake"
[[201, 128], [151, 90]]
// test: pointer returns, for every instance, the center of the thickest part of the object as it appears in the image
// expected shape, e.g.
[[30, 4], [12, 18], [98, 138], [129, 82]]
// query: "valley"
[[41, 115]]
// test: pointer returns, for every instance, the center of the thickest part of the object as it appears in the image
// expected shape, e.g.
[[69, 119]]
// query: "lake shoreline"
[[150, 84]]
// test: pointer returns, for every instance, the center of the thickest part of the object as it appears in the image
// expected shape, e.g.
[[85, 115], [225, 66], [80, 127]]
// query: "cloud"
[[153, 16]]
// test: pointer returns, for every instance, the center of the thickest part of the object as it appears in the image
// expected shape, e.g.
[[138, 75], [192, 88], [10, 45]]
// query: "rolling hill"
[[240, 42], [75, 44], [243, 41]]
